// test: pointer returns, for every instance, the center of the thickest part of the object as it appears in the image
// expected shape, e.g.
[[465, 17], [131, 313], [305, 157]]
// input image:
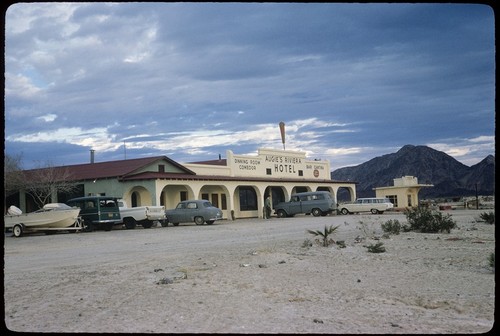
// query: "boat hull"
[[44, 219]]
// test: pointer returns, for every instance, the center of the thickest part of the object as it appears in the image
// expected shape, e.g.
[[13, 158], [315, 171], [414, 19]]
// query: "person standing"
[[267, 205]]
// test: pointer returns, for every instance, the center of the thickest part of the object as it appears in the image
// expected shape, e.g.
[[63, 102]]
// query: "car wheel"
[[129, 223], [316, 212], [87, 226], [17, 230], [281, 214], [147, 224], [374, 211], [164, 224], [210, 222], [199, 220], [344, 211], [176, 224]]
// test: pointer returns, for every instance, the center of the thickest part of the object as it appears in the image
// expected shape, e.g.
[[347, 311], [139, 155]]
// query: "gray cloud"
[[98, 74]]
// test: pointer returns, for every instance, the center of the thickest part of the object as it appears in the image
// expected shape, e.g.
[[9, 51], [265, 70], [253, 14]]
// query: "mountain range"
[[451, 179]]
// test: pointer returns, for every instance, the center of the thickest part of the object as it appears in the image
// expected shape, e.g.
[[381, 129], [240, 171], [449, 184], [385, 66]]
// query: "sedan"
[[198, 211]]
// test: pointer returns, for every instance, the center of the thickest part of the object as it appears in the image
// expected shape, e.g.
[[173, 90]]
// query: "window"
[[134, 198], [248, 199], [393, 199], [161, 168], [268, 171], [215, 200], [223, 201], [301, 173], [192, 205], [204, 196], [184, 195]]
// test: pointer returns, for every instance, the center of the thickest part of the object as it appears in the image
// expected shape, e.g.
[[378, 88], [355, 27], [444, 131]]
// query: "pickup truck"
[[144, 215]]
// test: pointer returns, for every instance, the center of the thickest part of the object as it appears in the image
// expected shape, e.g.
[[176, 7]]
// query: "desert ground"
[[254, 276]]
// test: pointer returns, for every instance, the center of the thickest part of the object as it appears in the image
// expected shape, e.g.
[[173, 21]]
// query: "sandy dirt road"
[[253, 276]]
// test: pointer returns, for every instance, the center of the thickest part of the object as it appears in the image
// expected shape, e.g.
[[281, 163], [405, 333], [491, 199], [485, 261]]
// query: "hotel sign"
[[278, 163]]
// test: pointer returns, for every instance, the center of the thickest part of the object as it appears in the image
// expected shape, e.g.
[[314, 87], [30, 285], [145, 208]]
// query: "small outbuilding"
[[404, 192]]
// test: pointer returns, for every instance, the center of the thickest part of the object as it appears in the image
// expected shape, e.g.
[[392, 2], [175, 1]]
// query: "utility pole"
[[477, 199]]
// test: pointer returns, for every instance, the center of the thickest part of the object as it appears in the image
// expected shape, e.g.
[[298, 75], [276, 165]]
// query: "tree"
[[13, 175], [45, 182]]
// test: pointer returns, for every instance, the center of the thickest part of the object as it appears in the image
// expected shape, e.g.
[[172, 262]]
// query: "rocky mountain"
[[449, 177]]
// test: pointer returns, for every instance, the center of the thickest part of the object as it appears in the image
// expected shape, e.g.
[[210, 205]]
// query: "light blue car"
[[197, 211]]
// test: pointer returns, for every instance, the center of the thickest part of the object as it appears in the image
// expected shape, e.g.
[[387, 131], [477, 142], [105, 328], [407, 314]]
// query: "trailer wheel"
[[18, 230]]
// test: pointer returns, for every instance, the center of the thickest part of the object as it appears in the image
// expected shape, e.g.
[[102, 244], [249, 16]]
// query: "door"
[[295, 205]]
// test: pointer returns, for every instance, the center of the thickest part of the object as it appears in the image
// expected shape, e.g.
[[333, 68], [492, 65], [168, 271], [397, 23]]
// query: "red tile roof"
[[220, 162], [112, 169]]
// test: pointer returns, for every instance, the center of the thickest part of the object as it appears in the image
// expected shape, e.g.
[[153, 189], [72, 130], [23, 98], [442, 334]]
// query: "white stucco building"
[[404, 192], [238, 184]]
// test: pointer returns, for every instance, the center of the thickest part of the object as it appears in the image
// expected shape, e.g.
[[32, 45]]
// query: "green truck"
[[97, 212]]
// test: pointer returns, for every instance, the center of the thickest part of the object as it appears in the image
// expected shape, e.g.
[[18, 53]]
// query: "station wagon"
[[373, 205]]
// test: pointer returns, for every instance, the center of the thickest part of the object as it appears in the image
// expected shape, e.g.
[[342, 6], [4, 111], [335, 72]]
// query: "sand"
[[254, 276]]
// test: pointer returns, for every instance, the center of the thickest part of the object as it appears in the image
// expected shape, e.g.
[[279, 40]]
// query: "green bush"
[[325, 234], [488, 217], [391, 226], [377, 248], [428, 221]]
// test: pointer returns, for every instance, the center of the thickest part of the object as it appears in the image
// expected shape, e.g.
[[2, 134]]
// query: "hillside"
[[449, 177]]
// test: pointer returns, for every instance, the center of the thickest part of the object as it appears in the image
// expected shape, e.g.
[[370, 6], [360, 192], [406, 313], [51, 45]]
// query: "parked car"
[[197, 211], [318, 203], [373, 205], [97, 212]]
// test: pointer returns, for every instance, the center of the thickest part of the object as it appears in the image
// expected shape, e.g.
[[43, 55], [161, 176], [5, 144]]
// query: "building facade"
[[404, 193], [237, 185]]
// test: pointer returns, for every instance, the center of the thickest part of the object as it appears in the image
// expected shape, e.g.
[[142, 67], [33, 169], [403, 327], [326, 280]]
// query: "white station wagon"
[[373, 205]]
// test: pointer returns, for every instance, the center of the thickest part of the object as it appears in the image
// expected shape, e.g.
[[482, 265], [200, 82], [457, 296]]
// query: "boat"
[[53, 216]]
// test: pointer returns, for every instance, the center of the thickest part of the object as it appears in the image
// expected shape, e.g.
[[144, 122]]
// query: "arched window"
[[248, 199], [134, 199]]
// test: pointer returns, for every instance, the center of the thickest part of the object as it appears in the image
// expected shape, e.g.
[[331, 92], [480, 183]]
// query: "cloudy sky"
[[191, 80]]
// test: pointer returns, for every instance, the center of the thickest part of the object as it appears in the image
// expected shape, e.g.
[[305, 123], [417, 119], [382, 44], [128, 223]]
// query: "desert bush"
[[377, 248], [325, 234], [391, 226], [491, 260], [307, 243], [428, 221], [488, 217]]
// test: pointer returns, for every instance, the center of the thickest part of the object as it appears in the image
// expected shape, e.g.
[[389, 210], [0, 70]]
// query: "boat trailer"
[[20, 229]]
